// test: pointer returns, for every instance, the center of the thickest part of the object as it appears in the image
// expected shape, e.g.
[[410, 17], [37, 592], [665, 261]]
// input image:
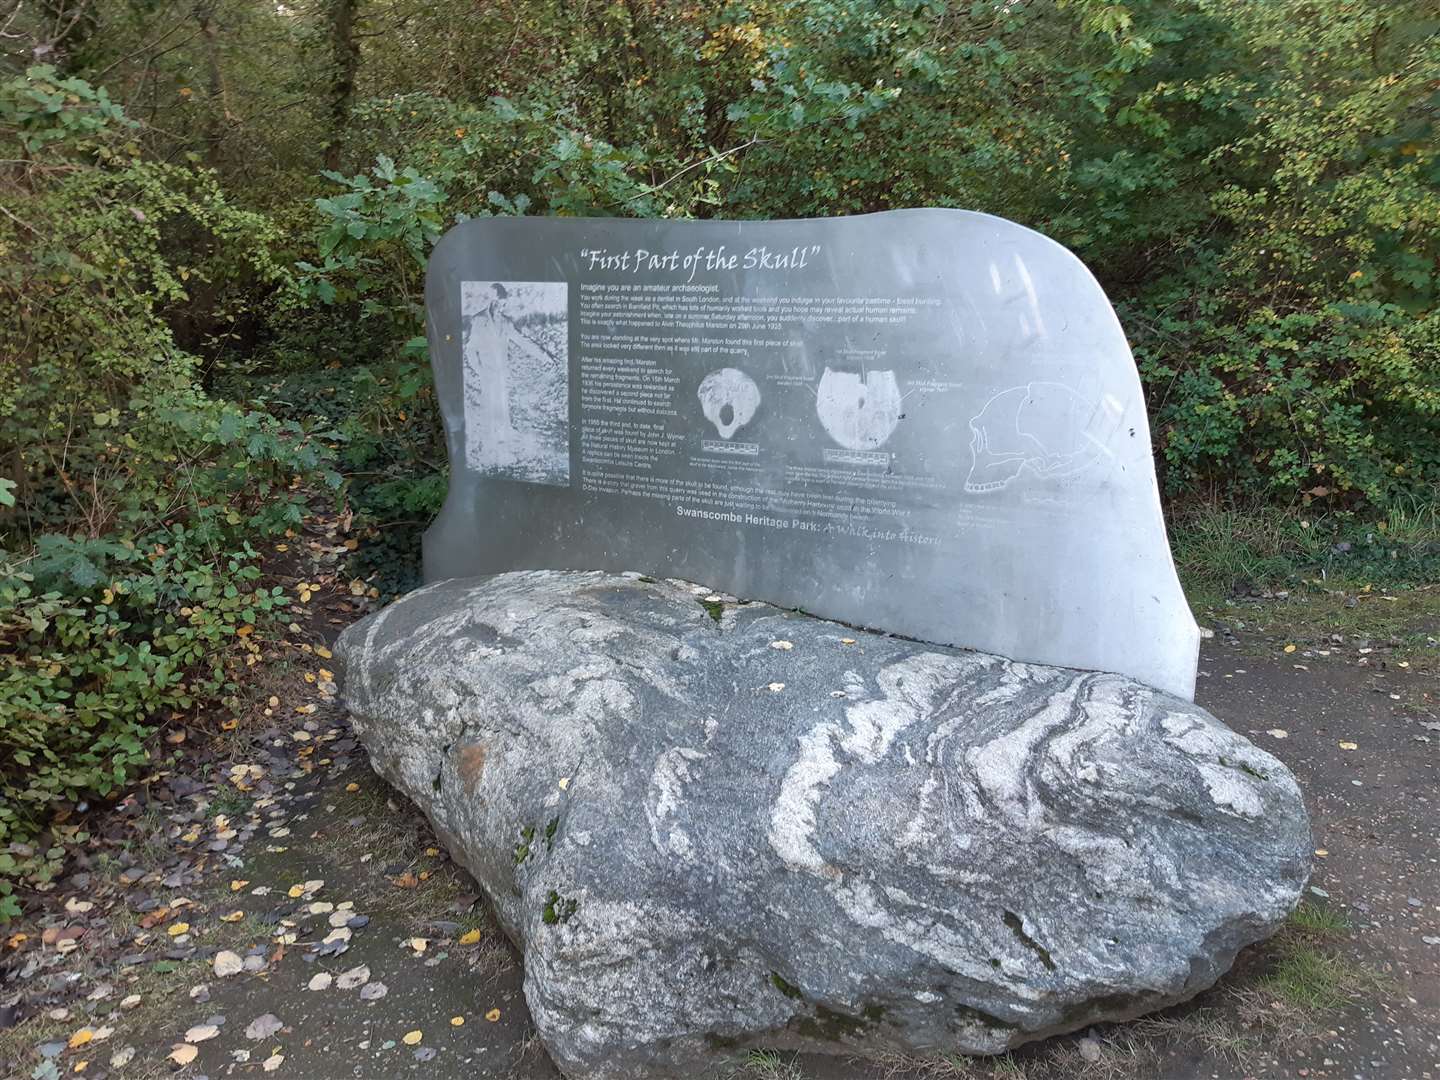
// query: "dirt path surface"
[[277, 910]]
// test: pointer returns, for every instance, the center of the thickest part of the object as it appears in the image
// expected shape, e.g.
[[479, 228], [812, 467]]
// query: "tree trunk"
[[344, 60], [219, 103]]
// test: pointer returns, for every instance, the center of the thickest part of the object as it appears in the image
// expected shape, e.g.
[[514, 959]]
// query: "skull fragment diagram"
[[1043, 429], [729, 398], [858, 414]]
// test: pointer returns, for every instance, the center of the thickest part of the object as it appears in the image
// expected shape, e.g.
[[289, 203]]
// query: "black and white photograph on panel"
[[517, 379]]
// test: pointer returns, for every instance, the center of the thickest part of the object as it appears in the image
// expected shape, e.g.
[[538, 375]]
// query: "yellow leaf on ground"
[[176, 929], [81, 1037], [322, 652], [470, 937], [411, 1038], [1349, 746], [457, 1021], [493, 1015]]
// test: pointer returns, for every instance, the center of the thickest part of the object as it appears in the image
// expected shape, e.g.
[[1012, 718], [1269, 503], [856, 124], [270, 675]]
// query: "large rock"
[[715, 826]]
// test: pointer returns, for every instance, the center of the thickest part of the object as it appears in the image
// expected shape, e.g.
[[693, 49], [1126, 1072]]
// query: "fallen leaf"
[[234, 916], [356, 976], [1289, 648], [273, 1062], [201, 1032], [263, 1027], [228, 963], [321, 981], [493, 1015], [184, 1053], [176, 929], [1349, 746], [373, 991], [470, 937], [323, 653], [847, 641], [776, 687], [81, 1037], [412, 1038], [1278, 733], [122, 1057], [782, 646]]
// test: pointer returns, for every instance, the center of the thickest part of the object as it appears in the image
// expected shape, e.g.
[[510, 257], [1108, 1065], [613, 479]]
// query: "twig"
[[693, 165]]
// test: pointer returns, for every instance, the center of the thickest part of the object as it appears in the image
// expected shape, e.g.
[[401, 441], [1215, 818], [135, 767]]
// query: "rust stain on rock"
[[470, 764]]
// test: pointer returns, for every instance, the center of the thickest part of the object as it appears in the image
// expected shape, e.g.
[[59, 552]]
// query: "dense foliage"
[[129, 590], [216, 216]]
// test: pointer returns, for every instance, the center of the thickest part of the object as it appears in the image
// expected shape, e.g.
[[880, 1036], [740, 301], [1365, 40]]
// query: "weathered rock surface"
[[774, 830]]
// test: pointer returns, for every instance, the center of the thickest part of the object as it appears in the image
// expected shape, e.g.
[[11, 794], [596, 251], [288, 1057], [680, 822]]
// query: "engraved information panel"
[[922, 421]]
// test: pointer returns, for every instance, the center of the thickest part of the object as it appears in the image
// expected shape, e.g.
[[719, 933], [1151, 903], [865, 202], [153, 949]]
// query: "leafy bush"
[[1256, 185], [127, 566]]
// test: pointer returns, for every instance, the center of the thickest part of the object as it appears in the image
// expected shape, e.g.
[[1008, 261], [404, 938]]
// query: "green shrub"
[[128, 576]]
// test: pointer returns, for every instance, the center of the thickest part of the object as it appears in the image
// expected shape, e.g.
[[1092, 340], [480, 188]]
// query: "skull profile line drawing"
[[1043, 427], [859, 415], [729, 398]]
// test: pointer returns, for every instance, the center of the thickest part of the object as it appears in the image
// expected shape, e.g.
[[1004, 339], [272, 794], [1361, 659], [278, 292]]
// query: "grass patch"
[[768, 1065], [1318, 920], [941, 1066], [1307, 973], [1226, 551], [1007, 1067], [161, 992], [1310, 979]]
